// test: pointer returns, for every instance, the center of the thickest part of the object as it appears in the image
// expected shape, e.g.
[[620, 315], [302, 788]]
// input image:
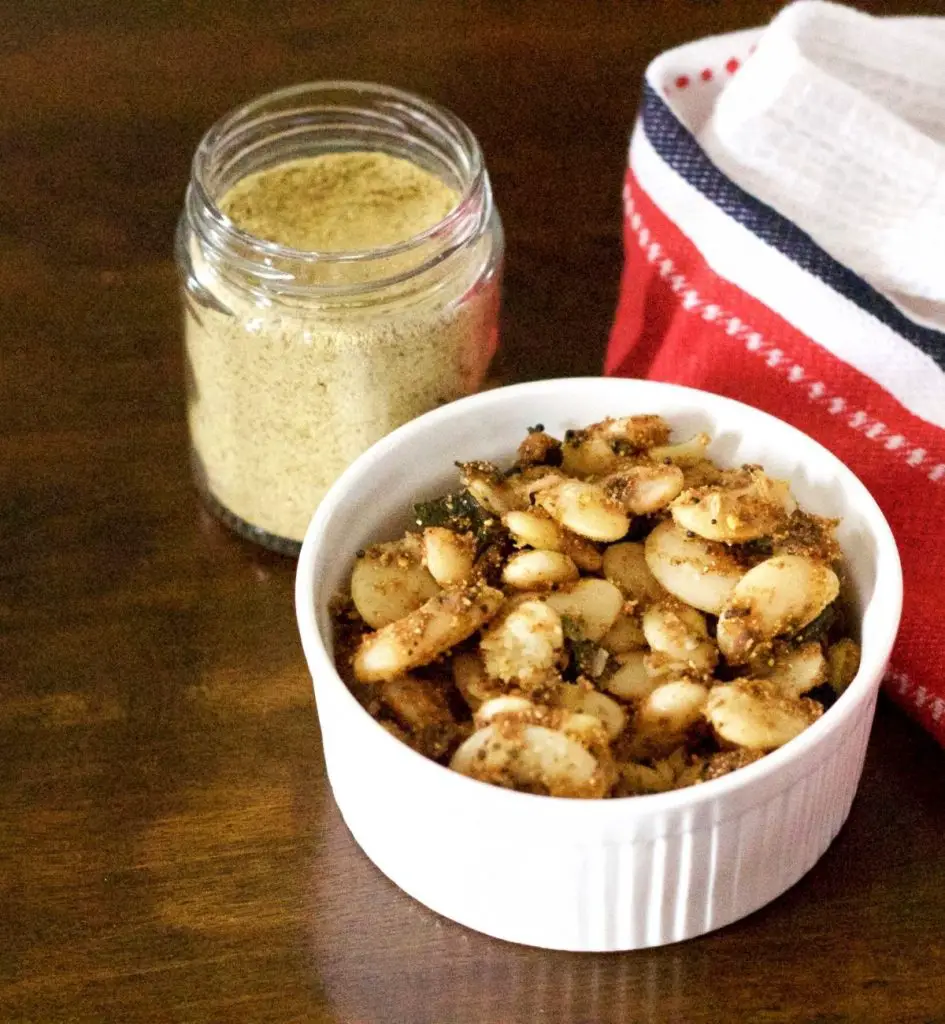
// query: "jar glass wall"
[[298, 360]]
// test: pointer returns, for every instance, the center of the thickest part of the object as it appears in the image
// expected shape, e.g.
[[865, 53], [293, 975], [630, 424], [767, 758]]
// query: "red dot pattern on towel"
[[706, 74]]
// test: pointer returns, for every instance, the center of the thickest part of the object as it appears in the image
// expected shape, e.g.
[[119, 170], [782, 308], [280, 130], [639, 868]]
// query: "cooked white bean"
[[587, 455], [777, 597], [733, 514], [389, 581], [587, 729], [843, 663], [696, 571], [637, 432], [533, 758], [446, 619], [591, 733], [675, 629], [591, 718], [664, 719], [664, 668], [626, 634], [685, 453], [530, 481], [672, 708], [421, 707], [416, 703], [625, 565], [640, 490], [591, 702], [599, 448], [449, 556], [581, 551], [581, 724], [486, 484], [630, 680], [538, 449], [752, 713], [537, 570], [797, 670], [667, 624], [471, 680], [524, 644], [534, 529], [507, 705], [584, 508], [591, 603]]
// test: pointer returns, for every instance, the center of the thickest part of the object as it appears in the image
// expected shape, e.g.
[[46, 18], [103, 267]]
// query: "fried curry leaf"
[[461, 513], [819, 627], [587, 657], [760, 547]]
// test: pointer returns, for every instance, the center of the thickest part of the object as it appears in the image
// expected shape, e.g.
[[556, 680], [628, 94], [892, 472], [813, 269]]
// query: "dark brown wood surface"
[[169, 848]]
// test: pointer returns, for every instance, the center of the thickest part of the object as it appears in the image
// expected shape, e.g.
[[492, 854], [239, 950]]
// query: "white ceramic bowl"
[[606, 874]]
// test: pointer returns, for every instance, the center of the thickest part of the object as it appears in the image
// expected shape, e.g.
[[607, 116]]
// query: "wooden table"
[[169, 848]]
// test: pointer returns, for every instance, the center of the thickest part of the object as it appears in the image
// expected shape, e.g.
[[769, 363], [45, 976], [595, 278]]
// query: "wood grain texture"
[[169, 849]]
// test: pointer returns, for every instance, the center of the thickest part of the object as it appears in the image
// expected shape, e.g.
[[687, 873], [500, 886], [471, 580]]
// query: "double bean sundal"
[[613, 615]]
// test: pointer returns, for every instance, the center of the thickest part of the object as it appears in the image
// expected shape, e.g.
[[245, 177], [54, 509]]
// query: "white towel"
[[838, 122]]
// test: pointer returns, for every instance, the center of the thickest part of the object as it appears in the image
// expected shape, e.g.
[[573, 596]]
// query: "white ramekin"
[[607, 874]]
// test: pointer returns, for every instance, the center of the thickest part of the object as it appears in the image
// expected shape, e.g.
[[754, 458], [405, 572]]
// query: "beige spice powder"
[[339, 201], [284, 397]]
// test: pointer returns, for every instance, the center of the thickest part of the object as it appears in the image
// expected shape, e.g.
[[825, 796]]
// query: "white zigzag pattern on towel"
[[918, 696], [690, 300]]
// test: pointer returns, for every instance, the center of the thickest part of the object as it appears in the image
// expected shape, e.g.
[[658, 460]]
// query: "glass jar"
[[297, 361]]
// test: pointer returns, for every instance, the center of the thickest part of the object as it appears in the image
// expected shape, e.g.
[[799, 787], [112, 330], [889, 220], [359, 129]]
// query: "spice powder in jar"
[[341, 259]]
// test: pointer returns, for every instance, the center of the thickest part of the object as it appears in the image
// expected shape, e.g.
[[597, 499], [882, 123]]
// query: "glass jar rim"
[[457, 226]]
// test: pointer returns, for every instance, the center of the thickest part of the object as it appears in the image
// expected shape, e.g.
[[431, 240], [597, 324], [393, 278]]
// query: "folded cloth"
[[785, 245]]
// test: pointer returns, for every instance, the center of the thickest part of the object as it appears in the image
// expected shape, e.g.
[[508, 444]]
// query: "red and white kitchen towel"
[[784, 225]]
